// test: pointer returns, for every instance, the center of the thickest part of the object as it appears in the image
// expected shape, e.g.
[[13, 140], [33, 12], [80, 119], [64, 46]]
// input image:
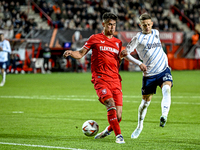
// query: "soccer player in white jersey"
[[4, 50], [155, 69]]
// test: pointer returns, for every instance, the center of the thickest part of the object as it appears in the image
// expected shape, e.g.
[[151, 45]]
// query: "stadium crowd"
[[86, 14]]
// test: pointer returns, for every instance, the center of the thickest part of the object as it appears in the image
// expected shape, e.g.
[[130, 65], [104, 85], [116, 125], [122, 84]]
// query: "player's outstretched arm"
[[75, 54], [135, 61]]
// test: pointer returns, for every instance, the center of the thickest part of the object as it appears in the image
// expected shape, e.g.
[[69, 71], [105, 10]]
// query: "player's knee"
[[166, 89], [109, 103], [147, 97]]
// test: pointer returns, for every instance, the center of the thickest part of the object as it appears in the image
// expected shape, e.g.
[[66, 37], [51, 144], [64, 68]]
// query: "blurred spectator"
[[7, 14], [61, 23], [195, 38], [15, 63], [166, 25], [154, 20], [17, 7], [11, 6], [45, 8], [71, 24], [8, 24], [57, 11], [46, 56], [1, 7], [63, 7], [2, 23], [64, 14], [76, 36]]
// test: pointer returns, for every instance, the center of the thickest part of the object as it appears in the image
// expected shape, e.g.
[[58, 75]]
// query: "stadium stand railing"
[[183, 17], [42, 13]]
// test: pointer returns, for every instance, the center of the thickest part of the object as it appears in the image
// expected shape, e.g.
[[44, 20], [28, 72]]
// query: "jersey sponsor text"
[[105, 48]]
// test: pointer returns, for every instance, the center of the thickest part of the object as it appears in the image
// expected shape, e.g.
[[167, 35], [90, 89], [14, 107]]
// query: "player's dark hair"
[[109, 16], [145, 16]]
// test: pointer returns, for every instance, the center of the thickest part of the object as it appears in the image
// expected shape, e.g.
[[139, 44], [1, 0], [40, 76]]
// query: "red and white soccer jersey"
[[105, 57]]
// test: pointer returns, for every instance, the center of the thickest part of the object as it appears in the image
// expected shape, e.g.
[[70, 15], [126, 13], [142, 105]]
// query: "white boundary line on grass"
[[41, 146], [94, 98]]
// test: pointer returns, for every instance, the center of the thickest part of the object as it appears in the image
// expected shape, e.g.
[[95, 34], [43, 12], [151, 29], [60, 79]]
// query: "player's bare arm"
[[75, 54]]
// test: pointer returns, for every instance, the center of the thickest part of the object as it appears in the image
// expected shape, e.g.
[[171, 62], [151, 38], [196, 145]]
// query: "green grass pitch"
[[46, 111]]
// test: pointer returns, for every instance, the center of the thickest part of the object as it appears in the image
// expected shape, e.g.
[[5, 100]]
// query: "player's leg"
[[112, 118], [166, 102], [148, 89], [165, 82], [3, 77], [117, 96], [113, 112], [3, 71], [142, 110], [119, 117], [119, 138]]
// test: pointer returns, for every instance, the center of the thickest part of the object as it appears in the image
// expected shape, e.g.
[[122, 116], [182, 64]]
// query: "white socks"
[[166, 101], [142, 110], [165, 105], [4, 76]]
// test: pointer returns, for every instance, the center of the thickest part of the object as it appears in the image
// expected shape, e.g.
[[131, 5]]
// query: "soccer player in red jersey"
[[105, 62]]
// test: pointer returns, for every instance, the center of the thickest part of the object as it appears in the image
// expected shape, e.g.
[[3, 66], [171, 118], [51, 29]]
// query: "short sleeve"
[[88, 45]]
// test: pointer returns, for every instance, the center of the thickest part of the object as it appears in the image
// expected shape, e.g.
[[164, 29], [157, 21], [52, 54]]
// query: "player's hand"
[[123, 53], [1, 49], [67, 53], [143, 67]]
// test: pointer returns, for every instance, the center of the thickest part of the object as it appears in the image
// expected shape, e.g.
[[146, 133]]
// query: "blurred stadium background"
[[29, 24]]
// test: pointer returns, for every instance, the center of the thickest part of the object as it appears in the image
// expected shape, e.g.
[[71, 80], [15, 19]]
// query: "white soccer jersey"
[[6, 49], [150, 51]]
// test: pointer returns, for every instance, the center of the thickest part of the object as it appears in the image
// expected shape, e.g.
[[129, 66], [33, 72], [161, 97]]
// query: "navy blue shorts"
[[3, 65], [149, 84]]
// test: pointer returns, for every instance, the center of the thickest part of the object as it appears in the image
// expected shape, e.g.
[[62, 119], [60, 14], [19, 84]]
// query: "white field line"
[[41, 146], [136, 99]]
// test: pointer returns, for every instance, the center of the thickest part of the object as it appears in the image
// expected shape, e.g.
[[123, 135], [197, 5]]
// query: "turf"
[[46, 111]]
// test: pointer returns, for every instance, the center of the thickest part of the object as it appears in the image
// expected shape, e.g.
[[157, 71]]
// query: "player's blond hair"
[[144, 16]]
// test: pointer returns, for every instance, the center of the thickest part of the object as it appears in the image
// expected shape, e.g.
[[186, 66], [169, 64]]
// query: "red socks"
[[112, 119]]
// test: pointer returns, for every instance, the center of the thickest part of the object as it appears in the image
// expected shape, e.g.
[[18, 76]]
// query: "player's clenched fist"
[[67, 53], [123, 53]]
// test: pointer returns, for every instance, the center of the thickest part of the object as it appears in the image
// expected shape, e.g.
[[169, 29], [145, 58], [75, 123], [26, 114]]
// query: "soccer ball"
[[90, 128]]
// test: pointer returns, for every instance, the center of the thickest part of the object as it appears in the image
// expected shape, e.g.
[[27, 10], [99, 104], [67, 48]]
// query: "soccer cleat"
[[103, 134], [163, 120], [136, 133], [2, 83], [119, 139]]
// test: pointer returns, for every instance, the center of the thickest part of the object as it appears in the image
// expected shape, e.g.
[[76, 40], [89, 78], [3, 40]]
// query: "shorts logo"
[[104, 91], [143, 90], [167, 77]]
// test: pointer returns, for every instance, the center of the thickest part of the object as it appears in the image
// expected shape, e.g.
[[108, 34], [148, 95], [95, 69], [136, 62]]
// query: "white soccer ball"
[[90, 128]]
